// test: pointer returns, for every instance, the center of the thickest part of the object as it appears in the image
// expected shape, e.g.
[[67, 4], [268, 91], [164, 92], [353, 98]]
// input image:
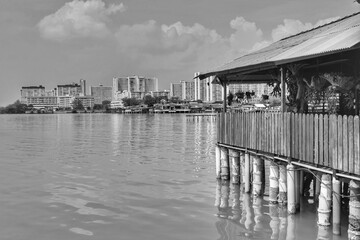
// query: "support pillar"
[[283, 222], [336, 201], [242, 170], [224, 161], [258, 214], [235, 166], [297, 189], [224, 199], [247, 173], [274, 182], [291, 195], [217, 162], [282, 185], [301, 172], [354, 211], [257, 175], [236, 211], [317, 186], [290, 231], [217, 193], [324, 209]]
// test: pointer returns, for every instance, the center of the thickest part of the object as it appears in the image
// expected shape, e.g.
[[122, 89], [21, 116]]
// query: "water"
[[110, 176]]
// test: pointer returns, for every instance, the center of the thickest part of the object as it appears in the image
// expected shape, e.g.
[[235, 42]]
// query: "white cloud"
[[291, 27], [78, 19]]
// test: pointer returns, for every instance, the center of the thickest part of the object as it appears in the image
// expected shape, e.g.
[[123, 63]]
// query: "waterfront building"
[[73, 90], [87, 101], [42, 102], [164, 93], [133, 86], [65, 101], [176, 90], [31, 91], [206, 90], [101, 93], [188, 90], [83, 87]]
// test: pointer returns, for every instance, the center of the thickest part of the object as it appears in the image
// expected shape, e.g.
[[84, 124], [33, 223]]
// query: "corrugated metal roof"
[[339, 35]]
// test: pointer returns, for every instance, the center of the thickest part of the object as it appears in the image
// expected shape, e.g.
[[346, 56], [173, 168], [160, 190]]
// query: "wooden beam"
[[256, 77]]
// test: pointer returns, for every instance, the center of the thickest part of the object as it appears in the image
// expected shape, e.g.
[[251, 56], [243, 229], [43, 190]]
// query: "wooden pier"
[[325, 147]]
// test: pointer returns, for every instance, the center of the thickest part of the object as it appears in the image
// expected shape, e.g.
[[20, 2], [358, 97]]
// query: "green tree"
[[128, 102], [106, 104], [230, 98], [16, 107], [149, 100], [77, 104]]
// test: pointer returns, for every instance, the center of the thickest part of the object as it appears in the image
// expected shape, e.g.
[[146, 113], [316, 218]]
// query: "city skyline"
[[167, 39]]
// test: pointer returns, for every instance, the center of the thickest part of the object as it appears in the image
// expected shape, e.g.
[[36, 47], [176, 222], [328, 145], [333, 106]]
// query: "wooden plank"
[[308, 141], [340, 144], [288, 135], [316, 139], [293, 132], [296, 136], [331, 140], [303, 136], [351, 164], [356, 145], [326, 141], [345, 145], [321, 140], [279, 132], [311, 132], [334, 141]]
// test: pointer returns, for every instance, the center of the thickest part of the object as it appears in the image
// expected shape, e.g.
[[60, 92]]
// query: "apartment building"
[[133, 86], [101, 93]]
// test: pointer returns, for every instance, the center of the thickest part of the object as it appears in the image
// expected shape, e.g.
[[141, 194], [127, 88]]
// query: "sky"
[[51, 42]]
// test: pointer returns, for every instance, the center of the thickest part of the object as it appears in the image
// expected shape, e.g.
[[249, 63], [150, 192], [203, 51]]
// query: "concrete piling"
[[336, 202], [354, 211], [324, 209], [217, 162], [291, 195], [247, 173], [282, 185], [273, 182], [235, 166], [224, 161], [257, 175]]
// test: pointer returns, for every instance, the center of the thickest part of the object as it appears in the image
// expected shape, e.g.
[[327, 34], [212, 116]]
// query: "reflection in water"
[[250, 217]]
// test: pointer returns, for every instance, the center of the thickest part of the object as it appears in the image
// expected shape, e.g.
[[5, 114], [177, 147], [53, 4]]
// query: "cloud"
[[291, 27], [78, 19]]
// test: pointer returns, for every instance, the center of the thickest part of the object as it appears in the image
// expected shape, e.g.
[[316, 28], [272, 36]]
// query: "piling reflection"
[[244, 216]]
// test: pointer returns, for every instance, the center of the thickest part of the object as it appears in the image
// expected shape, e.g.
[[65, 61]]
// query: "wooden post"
[[225, 96], [354, 211], [217, 162], [336, 201], [291, 195], [283, 90], [247, 173], [235, 166], [274, 222], [218, 193], [282, 185], [301, 184], [324, 209], [274, 183], [257, 175], [224, 160]]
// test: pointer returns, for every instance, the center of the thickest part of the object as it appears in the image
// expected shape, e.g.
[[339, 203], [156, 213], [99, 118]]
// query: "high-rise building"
[[176, 90], [133, 86], [72, 90], [31, 91], [188, 90], [206, 90], [101, 93], [83, 87]]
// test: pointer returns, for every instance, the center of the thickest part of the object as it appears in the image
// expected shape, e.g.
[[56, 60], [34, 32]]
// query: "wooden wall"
[[325, 140]]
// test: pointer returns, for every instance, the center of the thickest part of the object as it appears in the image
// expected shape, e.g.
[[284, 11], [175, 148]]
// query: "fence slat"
[[311, 138], [321, 140], [356, 145], [345, 144], [334, 142], [326, 141], [316, 139], [340, 143], [351, 144]]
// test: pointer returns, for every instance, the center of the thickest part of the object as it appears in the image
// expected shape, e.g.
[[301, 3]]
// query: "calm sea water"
[[131, 177]]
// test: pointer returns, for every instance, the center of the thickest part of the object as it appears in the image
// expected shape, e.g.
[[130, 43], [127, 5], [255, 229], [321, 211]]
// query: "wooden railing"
[[324, 140]]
